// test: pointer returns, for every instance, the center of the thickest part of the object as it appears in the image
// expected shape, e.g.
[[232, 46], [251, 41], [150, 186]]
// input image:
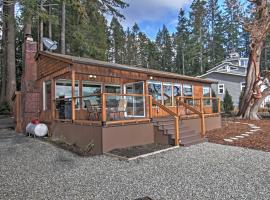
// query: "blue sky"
[[152, 14]]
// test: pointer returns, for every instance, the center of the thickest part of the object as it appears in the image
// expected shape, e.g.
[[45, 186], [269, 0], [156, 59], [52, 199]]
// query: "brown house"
[[107, 105]]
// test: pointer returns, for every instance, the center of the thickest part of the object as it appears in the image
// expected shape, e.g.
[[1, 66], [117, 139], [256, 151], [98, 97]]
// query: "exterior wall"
[[127, 135], [210, 123], [81, 135], [231, 83]]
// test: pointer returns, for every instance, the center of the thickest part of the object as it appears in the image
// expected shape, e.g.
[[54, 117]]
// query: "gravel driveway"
[[33, 169]]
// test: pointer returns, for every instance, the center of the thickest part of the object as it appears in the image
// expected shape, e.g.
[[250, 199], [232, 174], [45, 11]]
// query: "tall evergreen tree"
[[164, 45], [198, 36], [181, 42], [232, 25], [216, 39], [116, 42]]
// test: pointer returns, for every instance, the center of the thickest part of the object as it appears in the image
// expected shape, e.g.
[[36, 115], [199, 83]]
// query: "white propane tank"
[[39, 130]]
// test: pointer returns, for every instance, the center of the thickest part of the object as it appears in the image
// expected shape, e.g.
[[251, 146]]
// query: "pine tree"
[[116, 42], [164, 45], [181, 42], [227, 102], [232, 25], [216, 40], [198, 39]]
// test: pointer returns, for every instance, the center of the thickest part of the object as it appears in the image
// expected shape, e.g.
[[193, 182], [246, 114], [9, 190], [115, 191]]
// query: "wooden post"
[[177, 106], [177, 131], [219, 106], [202, 118], [73, 95], [150, 107], [103, 107], [53, 99]]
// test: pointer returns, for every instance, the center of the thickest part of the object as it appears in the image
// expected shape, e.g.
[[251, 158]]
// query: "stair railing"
[[200, 112], [174, 115]]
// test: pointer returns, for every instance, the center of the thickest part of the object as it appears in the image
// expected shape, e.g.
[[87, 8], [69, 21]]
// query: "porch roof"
[[151, 72]]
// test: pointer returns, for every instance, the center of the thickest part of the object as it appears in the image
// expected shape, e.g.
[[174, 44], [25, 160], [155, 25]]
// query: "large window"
[[167, 94], [188, 92], [47, 95], [221, 89], [90, 89], [112, 100], [113, 89], [154, 89], [206, 93], [177, 91], [63, 89]]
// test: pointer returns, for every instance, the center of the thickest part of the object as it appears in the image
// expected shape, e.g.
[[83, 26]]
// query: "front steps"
[[188, 136]]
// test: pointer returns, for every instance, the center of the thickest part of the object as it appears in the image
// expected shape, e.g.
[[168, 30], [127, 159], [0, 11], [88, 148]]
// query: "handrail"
[[200, 113], [176, 120]]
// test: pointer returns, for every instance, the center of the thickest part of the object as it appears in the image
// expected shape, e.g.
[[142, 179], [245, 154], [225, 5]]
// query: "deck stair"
[[188, 136]]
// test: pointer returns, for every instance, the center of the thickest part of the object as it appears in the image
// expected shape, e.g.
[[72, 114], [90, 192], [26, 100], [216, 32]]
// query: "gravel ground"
[[33, 169]]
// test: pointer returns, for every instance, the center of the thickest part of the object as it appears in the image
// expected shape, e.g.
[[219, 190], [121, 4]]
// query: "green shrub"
[[227, 102], [240, 99]]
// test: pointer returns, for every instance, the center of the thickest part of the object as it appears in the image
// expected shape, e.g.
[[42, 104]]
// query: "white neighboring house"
[[230, 74]]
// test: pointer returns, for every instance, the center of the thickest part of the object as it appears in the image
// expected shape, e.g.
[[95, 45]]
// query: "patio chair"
[[121, 108], [93, 109]]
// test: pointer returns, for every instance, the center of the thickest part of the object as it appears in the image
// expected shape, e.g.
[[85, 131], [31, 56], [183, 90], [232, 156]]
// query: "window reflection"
[[154, 89], [167, 94]]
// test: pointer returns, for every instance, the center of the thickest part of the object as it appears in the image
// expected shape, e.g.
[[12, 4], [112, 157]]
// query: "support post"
[[219, 106], [73, 95], [177, 131], [150, 107], [53, 103], [103, 107], [202, 119]]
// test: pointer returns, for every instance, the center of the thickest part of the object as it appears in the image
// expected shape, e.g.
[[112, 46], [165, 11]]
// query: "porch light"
[[151, 77], [92, 76]]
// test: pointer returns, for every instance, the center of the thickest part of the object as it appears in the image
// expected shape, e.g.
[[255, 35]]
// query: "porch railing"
[[106, 109]]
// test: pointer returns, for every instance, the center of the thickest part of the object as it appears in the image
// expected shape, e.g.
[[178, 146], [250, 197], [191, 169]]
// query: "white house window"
[[47, 95], [221, 89], [206, 93], [242, 86]]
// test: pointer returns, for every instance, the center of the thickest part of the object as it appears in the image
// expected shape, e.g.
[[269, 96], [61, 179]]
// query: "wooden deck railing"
[[181, 101], [176, 120], [146, 106]]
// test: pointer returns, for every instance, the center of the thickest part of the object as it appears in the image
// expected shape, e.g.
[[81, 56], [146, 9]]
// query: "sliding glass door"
[[136, 105]]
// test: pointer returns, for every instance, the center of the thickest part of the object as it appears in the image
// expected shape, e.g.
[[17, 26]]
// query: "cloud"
[[151, 10]]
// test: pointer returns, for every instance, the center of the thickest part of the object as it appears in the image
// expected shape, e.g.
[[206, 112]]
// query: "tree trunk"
[[63, 27], [9, 49], [4, 63], [50, 20], [41, 28], [253, 71]]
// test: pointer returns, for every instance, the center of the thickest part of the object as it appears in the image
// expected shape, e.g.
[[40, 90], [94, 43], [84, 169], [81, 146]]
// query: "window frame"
[[210, 95], [45, 101], [161, 89], [241, 86], [68, 80], [167, 84], [90, 83], [223, 87], [181, 91]]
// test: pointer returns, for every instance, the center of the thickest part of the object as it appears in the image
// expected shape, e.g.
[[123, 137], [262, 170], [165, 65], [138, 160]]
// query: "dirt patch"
[[73, 148], [230, 128], [134, 151]]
